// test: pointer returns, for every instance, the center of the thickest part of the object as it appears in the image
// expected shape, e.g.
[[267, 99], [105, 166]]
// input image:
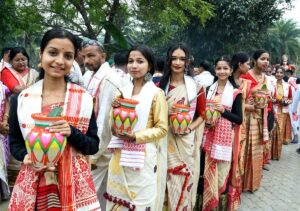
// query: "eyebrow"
[[51, 47]]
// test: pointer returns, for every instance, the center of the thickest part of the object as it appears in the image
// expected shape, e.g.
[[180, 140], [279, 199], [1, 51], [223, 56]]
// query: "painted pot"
[[261, 99], [211, 115], [44, 147], [179, 122], [124, 118]]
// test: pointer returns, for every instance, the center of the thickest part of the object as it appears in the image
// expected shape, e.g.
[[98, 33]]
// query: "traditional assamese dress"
[[218, 143], [11, 78], [71, 187], [257, 136], [284, 91], [4, 148], [137, 171], [101, 85], [184, 151], [238, 151]]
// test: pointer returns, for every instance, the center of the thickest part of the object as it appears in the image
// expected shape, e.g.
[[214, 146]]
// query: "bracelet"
[[190, 130]]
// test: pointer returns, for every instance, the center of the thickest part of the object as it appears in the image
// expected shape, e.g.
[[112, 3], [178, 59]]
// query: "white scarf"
[[191, 88], [30, 101], [227, 96], [136, 156], [92, 81]]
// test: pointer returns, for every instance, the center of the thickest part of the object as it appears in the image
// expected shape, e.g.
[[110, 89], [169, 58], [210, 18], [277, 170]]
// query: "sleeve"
[[87, 144], [8, 79], [16, 140], [160, 121], [236, 114], [201, 103]]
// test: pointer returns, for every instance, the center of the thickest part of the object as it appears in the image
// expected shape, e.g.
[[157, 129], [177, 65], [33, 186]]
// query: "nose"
[[134, 64], [60, 59], [85, 60]]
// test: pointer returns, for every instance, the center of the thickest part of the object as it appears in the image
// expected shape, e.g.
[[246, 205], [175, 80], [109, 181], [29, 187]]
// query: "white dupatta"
[[133, 155]]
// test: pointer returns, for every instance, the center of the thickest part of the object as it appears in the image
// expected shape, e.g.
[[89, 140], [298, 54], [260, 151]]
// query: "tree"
[[117, 23], [283, 38], [236, 26]]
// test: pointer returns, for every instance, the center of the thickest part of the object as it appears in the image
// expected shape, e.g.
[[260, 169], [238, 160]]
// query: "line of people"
[[240, 119]]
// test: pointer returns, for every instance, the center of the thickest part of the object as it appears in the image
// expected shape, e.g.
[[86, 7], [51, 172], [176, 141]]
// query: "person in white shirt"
[[120, 67], [5, 58], [204, 77], [101, 82]]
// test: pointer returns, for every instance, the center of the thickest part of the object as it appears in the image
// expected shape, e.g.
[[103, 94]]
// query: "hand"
[[61, 126], [173, 110], [251, 100], [4, 128], [126, 136], [115, 103], [27, 161], [219, 107], [186, 132]]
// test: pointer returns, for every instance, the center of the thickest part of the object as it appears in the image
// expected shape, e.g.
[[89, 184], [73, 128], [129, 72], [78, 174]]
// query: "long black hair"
[[239, 58], [60, 34], [230, 78], [167, 68], [147, 53]]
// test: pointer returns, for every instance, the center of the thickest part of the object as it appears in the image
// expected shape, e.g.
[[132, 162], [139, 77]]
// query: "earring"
[[148, 76], [39, 65]]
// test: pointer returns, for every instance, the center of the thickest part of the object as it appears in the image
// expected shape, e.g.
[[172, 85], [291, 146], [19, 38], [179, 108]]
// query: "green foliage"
[[283, 37], [236, 26]]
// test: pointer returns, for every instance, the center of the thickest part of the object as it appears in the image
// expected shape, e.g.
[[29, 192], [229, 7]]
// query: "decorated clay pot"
[[124, 118], [261, 99], [179, 122], [211, 115], [44, 147]]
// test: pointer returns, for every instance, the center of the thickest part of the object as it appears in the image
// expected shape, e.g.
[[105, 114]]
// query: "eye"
[[52, 53], [130, 61], [140, 61], [69, 56]]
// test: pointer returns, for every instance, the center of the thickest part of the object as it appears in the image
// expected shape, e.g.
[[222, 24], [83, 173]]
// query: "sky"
[[294, 13]]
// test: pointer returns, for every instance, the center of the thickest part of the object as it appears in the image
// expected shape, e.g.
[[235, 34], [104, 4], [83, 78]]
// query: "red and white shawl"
[[76, 187], [217, 141], [133, 155]]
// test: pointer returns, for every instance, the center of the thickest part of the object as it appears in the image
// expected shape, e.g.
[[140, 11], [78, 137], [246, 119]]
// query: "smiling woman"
[[47, 187], [19, 75]]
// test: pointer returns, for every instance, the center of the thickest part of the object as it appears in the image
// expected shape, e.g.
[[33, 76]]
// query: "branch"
[[65, 18], [80, 7]]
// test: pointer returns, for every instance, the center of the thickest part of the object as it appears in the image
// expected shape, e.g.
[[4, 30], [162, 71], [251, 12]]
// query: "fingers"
[[60, 126], [115, 103]]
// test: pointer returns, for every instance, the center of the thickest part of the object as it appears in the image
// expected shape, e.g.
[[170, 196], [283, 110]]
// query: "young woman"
[[69, 185], [4, 145], [257, 134], [282, 98], [217, 140], [240, 64], [19, 75], [183, 150], [137, 169]]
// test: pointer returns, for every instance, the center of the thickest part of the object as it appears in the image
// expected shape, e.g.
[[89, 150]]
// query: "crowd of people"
[[242, 111]]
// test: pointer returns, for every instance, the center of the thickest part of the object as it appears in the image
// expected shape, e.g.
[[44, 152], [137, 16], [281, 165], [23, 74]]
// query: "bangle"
[[190, 130]]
